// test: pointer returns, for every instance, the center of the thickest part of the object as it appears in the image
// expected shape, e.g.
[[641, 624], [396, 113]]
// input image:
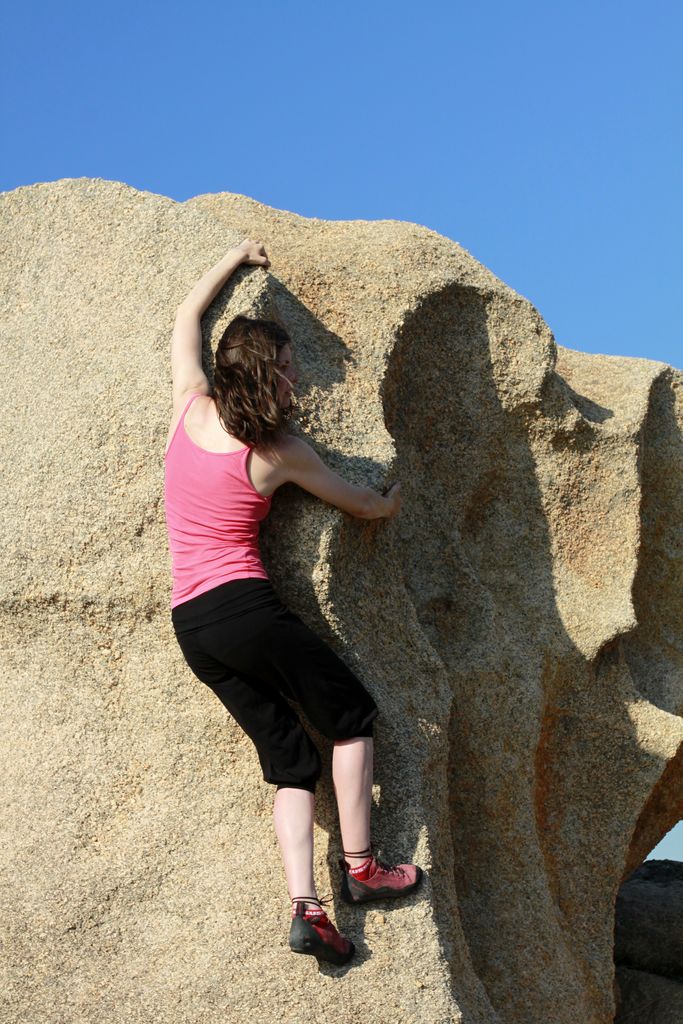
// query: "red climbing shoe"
[[313, 932], [375, 880]]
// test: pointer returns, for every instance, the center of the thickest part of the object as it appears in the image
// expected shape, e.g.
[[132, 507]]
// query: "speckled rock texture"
[[648, 998], [519, 623], [648, 927], [648, 945]]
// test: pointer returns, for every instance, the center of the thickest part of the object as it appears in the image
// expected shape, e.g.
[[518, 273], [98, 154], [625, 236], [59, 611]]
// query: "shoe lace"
[[388, 868], [324, 902]]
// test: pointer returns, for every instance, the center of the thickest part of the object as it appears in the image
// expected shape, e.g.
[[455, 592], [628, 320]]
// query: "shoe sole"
[[303, 938], [385, 893]]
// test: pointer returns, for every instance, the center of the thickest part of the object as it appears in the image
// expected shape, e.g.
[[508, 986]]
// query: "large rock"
[[648, 998], [519, 624], [648, 931]]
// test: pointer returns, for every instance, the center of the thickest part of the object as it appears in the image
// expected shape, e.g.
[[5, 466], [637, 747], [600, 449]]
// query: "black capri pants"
[[253, 652]]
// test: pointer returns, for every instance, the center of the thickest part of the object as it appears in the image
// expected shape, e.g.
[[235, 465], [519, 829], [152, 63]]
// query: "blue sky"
[[671, 846], [547, 139]]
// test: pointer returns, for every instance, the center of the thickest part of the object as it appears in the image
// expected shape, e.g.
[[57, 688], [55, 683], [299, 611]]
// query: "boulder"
[[648, 998], [519, 625], [648, 931]]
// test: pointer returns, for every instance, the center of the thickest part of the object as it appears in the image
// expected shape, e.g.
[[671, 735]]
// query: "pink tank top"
[[213, 513]]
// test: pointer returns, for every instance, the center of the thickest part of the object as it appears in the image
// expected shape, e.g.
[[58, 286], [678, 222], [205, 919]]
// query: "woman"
[[228, 451]]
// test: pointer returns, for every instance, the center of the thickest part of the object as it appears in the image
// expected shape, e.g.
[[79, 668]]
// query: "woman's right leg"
[[364, 877], [338, 705], [352, 766]]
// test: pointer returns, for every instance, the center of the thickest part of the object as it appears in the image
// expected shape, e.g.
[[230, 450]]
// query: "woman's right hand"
[[393, 495]]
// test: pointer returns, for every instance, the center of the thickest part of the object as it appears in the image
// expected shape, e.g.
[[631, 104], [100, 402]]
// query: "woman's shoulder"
[[288, 453], [293, 448], [291, 442]]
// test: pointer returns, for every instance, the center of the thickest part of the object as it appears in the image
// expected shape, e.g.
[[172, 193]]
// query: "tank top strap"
[[196, 394], [245, 453]]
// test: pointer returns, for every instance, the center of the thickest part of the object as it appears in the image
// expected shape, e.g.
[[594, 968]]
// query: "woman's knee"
[[309, 787], [354, 722], [367, 731], [298, 765]]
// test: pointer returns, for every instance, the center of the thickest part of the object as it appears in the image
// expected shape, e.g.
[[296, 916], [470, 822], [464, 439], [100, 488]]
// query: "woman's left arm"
[[208, 286]]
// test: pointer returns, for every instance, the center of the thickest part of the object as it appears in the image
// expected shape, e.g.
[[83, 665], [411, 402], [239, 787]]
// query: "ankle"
[[355, 862], [309, 903], [358, 856]]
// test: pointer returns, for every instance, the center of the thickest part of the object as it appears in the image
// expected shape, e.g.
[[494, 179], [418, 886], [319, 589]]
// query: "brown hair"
[[246, 378]]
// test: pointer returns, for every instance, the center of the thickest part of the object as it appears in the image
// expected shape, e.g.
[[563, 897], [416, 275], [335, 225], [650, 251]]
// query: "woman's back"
[[204, 428], [213, 513]]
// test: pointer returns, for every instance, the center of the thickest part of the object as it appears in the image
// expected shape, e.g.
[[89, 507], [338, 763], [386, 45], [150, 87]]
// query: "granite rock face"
[[648, 944], [519, 625], [648, 931], [648, 998]]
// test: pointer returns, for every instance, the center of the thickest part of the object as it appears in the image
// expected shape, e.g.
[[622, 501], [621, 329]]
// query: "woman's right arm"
[[302, 465]]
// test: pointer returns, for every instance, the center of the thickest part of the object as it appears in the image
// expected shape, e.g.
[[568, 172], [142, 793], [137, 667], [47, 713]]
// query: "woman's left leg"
[[293, 819]]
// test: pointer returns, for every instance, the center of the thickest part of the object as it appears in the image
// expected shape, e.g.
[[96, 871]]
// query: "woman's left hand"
[[254, 253]]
